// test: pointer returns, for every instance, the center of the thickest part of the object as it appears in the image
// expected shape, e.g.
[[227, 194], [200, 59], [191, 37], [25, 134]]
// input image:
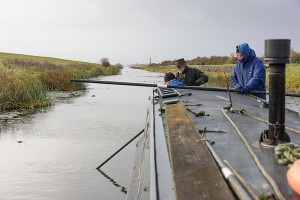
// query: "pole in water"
[[119, 149]]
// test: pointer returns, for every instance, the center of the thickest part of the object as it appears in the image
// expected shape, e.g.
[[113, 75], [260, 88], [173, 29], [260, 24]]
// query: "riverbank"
[[218, 79], [27, 80], [57, 149]]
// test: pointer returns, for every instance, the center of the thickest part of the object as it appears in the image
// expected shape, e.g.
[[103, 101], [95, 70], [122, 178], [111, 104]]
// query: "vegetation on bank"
[[222, 60], [215, 66], [25, 80], [217, 74]]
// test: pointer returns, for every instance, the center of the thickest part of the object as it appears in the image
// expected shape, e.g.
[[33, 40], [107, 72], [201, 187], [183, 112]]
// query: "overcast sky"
[[132, 31]]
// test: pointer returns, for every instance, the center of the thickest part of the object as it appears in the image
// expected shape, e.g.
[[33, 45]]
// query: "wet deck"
[[227, 142], [194, 169]]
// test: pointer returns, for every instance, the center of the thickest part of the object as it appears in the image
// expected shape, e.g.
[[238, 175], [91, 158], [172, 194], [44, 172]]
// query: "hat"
[[244, 49], [180, 61], [169, 76]]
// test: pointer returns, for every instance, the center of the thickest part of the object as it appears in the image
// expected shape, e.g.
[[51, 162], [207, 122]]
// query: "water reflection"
[[48, 167], [52, 153], [123, 189]]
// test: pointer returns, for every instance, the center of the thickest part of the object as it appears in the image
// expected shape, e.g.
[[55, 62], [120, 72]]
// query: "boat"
[[208, 143], [182, 144]]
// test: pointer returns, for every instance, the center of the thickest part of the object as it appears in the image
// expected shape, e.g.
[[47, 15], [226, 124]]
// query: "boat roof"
[[189, 132], [205, 108]]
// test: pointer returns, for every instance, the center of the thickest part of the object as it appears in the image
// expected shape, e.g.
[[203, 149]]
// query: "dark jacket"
[[192, 77], [250, 73]]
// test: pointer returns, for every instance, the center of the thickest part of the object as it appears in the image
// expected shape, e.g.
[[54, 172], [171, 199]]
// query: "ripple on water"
[[48, 167]]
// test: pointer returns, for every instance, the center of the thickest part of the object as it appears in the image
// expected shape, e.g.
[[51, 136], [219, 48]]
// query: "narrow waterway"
[[52, 154]]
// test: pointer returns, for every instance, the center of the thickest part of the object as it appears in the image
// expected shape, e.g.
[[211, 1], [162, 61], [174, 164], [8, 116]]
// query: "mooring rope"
[[287, 153], [244, 112], [259, 165]]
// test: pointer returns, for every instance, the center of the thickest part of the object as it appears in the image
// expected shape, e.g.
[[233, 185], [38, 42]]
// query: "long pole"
[[242, 181], [119, 149], [234, 183], [172, 86]]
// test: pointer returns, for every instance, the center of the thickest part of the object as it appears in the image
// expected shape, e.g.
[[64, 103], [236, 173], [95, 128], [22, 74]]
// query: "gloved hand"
[[244, 90]]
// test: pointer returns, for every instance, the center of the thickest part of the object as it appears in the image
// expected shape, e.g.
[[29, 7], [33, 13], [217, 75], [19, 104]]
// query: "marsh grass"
[[217, 77], [25, 80], [292, 82], [21, 91]]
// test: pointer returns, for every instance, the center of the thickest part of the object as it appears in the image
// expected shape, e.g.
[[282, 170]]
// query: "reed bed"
[[292, 81], [26, 80]]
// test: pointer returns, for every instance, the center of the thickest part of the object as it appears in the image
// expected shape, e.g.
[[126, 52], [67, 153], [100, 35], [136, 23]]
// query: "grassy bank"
[[217, 77], [25, 80]]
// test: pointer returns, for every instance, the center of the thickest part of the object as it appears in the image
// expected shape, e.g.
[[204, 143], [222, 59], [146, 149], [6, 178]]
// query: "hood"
[[245, 50]]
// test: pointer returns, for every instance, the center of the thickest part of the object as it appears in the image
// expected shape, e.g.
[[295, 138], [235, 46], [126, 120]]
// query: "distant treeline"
[[221, 60], [213, 60]]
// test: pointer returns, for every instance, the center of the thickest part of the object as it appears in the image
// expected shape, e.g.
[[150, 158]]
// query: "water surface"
[[52, 154]]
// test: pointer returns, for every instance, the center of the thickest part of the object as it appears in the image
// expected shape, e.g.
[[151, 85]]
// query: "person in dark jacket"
[[170, 79], [249, 72], [189, 76]]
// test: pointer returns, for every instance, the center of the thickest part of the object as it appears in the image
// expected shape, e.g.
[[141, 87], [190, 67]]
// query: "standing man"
[[249, 72], [189, 76]]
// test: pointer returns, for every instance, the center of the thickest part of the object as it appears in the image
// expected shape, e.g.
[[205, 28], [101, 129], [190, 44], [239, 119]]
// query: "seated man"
[[189, 76], [171, 80]]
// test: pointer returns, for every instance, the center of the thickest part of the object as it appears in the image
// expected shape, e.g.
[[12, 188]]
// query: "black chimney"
[[277, 54]]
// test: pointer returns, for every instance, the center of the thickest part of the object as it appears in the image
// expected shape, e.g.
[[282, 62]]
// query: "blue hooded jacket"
[[250, 72]]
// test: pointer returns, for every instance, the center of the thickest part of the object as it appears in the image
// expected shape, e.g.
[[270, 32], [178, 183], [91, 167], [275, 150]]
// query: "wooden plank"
[[195, 171]]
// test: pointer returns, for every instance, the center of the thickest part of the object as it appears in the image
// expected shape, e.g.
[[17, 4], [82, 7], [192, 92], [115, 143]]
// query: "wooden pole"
[[119, 149], [173, 86]]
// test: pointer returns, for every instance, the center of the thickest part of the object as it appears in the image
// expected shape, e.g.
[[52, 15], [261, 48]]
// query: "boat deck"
[[191, 159], [205, 110]]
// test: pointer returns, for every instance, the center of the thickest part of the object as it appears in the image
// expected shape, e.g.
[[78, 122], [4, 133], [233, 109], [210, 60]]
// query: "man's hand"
[[244, 90], [202, 80]]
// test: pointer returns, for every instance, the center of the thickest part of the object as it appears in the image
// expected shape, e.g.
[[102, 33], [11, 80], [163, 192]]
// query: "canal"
[[53, 153]]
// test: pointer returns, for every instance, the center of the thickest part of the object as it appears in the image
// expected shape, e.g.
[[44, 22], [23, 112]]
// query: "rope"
[[287, 153], [259, 165], [244, 112], [198, 114]]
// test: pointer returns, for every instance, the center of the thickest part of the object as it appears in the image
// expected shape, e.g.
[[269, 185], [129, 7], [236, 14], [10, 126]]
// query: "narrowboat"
[[212, 143]]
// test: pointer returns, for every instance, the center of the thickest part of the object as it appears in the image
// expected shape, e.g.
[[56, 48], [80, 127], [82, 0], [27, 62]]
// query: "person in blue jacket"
[[170, 79], [249, 72]]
